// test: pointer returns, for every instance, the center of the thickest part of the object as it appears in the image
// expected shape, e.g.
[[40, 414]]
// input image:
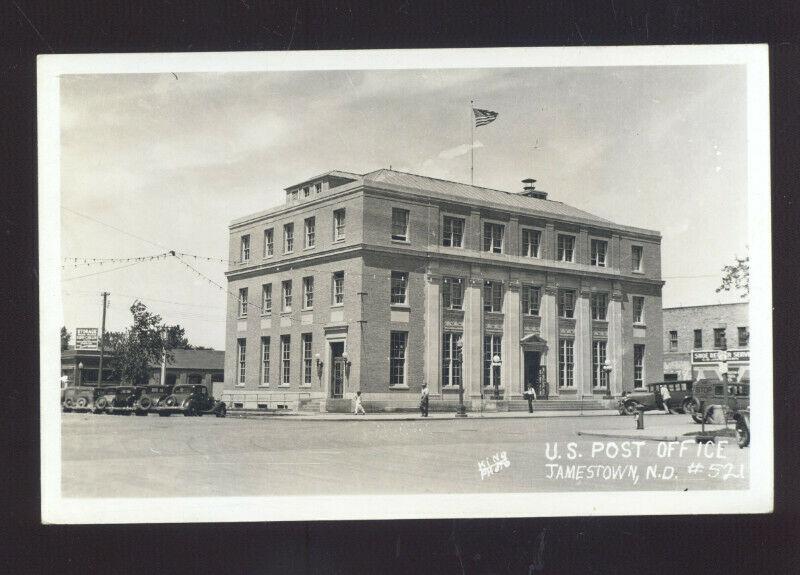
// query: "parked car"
[[711, 393], [742, 427], [80, 398], [125, 399], [151, 397], [681, 398], [103, 396], [191, 400]]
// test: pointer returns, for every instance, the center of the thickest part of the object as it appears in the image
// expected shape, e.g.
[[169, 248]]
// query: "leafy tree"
[[736, 277], [65, 337], [138, 347], [176, 338]]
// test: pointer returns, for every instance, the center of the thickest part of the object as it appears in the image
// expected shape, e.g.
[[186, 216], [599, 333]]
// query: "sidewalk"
[[294, 416]]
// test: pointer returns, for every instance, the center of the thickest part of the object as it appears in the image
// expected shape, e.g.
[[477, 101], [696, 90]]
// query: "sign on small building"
[[86, 338]]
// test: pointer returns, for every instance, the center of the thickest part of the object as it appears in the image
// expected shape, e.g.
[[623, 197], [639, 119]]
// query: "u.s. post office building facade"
[[382, 281]]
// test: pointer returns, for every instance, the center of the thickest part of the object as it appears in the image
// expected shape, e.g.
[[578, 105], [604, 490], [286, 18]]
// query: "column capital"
[[616, 295], [551, 289], [433, 278], [514, 285]]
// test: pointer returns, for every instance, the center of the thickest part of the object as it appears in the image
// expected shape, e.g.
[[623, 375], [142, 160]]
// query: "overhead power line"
[[113, 227]]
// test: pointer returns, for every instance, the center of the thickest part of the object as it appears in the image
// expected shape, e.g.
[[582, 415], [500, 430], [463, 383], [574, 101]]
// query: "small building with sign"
[[379, 282], [206, 366], [695, 335]]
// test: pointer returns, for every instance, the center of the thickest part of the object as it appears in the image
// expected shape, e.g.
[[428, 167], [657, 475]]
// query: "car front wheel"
[[221, 411], [631, 408]]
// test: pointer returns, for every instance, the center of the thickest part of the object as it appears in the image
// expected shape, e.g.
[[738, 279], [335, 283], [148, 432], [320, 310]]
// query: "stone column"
[[433, 332], [583, 343], [473, 335], [615, 342], [512, 237], [512, 332], [583, 248], [549, 330], [549, 243], [473, 235]]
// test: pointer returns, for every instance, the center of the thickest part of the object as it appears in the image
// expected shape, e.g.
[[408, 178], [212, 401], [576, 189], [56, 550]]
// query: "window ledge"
[[338, 240], [400, 306], [640, 272], [268, 257], [600, 320], [240, 385], [398, 387], [285, 385], [309, 248], [305, 386], [396, 241], [242, 317], [263, 385], [267, 314], [305, 309], [333, 305], [288, 253], [639, 324]]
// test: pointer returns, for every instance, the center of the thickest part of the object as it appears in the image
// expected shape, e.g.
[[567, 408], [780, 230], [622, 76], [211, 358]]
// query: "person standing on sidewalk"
[[665, 397], [359, 409], [423, 400]]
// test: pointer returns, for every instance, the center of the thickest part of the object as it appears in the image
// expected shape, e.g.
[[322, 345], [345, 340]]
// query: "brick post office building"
[[380, 282]]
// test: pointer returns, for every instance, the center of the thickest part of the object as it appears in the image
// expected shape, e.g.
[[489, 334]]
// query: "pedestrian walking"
[[665, 397], [423, 400], [359, 409]]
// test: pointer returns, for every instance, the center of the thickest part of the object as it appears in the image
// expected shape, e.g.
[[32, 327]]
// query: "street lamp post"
[[723, 369], [80, 375], [607, 369], [496, 374], [462, 410]]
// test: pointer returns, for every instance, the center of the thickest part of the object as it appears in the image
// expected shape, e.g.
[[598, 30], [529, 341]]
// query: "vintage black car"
[[125, 399], [79, 398], [710, 393], [681, 398], [191, 400], [103, 396], [151, 397]]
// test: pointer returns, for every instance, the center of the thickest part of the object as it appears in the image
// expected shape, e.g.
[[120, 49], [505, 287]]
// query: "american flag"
[[483, 117]]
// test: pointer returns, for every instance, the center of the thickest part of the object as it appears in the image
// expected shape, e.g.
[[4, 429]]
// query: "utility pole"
[[105, 295], [164, 357]]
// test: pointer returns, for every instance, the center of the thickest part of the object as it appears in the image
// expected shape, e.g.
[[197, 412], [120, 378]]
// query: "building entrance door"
[[533, 361], [337, 369]]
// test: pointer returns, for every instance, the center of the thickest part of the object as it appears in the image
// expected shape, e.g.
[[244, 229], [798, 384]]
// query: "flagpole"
[[472, 148]]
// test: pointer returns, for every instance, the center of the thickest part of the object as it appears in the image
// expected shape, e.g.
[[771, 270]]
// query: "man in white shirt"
[[423, 400]]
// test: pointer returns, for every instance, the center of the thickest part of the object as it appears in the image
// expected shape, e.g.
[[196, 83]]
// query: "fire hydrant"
[[640, 419]]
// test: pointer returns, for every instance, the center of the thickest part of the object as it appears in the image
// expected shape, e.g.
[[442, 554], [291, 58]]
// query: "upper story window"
[[310, 232], [638, 309], [306, 191], [452, 293], [566, 248], [566, 303], [673, 340], [744, 336], [599, 306], [338, 224], [719, 337], [266, 298], [287, 295], [400, 224], [399, 287], [698, 338], [317, 187], [493, 296], [245, 251], [531, 242], [531, 297], [452, 232], [269, 242], [308, 292], [493, 237], [243, 302], [599, 253], [338, 288], [288, 238], [636, 258], [293, 195]]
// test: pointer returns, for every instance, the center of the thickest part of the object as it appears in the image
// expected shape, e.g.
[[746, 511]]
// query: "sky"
[[158, 162]]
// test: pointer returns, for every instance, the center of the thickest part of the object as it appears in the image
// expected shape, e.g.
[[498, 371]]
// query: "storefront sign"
[[714, 355], [86, 338]]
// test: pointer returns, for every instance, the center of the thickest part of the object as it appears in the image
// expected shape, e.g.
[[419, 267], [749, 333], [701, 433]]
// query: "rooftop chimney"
[[529, 189]]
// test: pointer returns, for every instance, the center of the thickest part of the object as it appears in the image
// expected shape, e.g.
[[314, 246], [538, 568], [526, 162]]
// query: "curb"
[[415, 417], [653, 437]]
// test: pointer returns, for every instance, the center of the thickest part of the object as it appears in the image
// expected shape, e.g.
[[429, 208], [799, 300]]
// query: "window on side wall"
[[673, 340], [245, 251], [338, 288], [638, 309], [599, 304], [531, 242], [698, 339], [638, 365], [397, 358], [287, 295], [338, 224], [243, 302], [744, 336], [399, 288], [636, 258], [400, 224], [266, 299], [566, 248], [269, 243], [531, 297], [566, 303], [493, 237], [288, 238], [311, 232], [493, 296]]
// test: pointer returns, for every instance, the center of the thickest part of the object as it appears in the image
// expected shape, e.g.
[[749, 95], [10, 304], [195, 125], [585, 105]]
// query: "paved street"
[[116, 456]]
